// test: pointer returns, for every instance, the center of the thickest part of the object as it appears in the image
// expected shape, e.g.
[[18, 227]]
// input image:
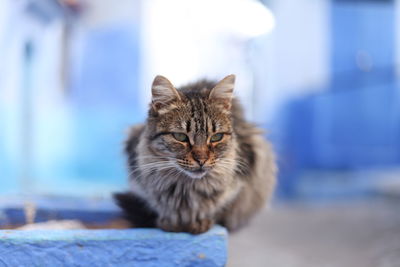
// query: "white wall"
[[186, 43], [100, 13], [186, 40]]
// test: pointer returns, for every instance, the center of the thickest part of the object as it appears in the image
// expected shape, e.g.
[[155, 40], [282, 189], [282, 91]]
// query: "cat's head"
[[191, 128]]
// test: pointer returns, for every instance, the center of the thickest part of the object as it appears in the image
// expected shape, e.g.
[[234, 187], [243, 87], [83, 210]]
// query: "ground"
[[351, 234]]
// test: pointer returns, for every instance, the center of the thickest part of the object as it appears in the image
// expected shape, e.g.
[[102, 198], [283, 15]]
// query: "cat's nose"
[[201, 162], [200, 156]]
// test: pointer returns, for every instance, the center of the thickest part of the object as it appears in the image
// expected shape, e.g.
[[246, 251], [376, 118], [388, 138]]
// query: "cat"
[[196, 161]]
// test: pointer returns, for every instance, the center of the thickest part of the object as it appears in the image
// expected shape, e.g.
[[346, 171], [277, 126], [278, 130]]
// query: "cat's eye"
[[181, 137], [216, 137]]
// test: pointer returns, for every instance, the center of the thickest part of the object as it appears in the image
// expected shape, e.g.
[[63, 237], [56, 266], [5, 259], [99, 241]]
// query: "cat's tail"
[[136, 210]]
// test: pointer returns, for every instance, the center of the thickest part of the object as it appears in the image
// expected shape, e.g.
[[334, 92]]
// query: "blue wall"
[[79, 140], [355, 122]]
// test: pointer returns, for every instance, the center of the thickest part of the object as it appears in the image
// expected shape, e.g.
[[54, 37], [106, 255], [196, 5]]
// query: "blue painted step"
[[108, 247], [133, 247]]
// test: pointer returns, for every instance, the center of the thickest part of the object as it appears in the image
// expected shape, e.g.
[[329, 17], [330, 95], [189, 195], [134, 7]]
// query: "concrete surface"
[[355, 234]]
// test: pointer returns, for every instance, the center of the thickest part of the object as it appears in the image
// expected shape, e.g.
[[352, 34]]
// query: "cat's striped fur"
[[190, 183]]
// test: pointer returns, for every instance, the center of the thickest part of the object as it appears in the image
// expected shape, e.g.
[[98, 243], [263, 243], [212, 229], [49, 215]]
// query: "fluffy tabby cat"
[[196, 161]]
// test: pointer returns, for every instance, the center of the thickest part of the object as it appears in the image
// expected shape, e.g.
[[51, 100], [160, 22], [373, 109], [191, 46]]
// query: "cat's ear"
[[163, 92], [224, 90]]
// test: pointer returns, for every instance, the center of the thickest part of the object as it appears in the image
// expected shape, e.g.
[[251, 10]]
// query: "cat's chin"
[[195, 174]]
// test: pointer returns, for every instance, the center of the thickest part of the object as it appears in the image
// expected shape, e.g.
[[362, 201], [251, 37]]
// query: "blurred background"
[[321, 76]]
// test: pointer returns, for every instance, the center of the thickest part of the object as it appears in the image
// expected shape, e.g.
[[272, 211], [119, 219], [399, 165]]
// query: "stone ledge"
[[103, 247], [133, 247]]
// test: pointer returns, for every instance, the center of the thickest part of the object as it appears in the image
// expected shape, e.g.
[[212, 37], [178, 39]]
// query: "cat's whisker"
[[224, 170], [236, 161], [150, 164], [155, 157], [238, 164], [158, 166]]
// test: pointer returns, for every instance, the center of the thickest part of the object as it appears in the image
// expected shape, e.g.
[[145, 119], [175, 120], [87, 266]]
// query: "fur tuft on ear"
[[224, 90], [163, 92]]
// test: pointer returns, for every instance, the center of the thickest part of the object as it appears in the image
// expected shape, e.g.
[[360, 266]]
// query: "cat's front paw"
[[167, 225], [200, 226], [196, 227]]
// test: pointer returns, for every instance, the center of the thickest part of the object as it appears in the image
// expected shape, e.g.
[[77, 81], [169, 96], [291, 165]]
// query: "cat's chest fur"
[[184, 204]]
